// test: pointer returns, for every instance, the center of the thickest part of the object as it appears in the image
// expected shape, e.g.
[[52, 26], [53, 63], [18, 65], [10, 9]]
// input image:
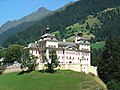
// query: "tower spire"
[[47, 29]]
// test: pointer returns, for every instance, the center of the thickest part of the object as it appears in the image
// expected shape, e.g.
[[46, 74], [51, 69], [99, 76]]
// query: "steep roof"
[[48, 35], [67, 43], [32, 45]]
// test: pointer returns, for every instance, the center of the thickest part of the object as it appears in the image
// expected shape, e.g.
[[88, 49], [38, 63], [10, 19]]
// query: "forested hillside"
[[111, 24], [15, 29], [74, 13]]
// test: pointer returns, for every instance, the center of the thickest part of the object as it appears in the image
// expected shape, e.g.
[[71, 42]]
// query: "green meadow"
[[60, 80]]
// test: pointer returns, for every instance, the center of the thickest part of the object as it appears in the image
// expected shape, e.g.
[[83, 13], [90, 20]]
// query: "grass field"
[[60, 80]]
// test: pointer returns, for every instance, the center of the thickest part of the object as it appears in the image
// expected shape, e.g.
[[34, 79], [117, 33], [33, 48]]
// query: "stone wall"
[[12, 69], [75, 67], [93, 70]]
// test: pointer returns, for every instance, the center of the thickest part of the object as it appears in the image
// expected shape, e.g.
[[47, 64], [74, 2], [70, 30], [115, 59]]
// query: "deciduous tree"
[[53, 61], [13, 53], [28, 62]]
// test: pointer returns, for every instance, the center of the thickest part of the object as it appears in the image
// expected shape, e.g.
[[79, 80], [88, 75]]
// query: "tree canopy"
[[13, 53]]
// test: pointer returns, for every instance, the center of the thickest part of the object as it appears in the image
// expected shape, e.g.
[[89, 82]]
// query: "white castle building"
[[71, 55]]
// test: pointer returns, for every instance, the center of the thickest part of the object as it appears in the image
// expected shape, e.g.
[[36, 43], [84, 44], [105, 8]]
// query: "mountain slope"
[[27, 21], [37, 15], [74, 13], [12, 27]]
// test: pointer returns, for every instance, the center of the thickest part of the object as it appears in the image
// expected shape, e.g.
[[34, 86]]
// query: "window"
[[67, 57], [44, 51], [39, 52], [73, 58]]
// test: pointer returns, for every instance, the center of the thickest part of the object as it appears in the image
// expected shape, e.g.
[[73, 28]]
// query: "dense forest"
[[110, 20], [58, 21], [109, 63], [15, 30]]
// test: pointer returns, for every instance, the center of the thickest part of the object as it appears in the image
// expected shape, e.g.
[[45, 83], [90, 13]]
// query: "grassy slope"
[[98, 45], [61, 80], [77, 27], [82, 27]]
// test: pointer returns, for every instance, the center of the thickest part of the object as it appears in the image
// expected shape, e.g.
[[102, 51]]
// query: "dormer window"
[[45, 37]]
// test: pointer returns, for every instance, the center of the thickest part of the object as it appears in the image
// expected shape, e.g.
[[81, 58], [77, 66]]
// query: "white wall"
[[34, 52], [84, 47], [52, 44], [75, 67], [75, 57]]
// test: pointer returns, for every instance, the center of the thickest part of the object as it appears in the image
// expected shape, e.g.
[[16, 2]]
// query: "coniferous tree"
[[104, 64], [109, 65], [87, 26]]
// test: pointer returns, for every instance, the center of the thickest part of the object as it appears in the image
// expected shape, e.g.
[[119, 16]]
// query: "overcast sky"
[[16, 9]]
